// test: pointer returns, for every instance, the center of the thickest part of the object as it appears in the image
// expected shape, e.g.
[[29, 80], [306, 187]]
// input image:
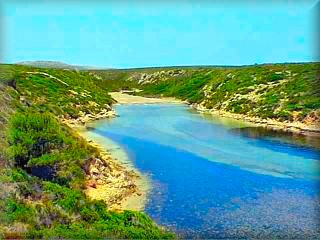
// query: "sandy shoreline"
[[123, 98], [110, 176], [294, 127], [124, 187]]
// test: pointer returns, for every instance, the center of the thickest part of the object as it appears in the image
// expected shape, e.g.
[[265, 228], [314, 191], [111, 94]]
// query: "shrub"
[[275, 77], [18, 211], [32, 135]]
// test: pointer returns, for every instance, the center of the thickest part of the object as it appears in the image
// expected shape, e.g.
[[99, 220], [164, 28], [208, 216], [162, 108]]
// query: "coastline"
[[293, 127], [124, 186], [296, 127], [109, 175]]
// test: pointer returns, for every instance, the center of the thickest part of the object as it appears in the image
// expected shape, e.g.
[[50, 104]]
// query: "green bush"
[[275, 77], [32, 135], [18, 211]]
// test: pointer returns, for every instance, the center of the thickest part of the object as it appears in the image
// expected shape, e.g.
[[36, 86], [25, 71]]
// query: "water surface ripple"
[[219, 178]]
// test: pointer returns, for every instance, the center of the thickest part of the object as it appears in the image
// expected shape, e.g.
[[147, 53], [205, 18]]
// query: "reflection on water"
[[220, 178], [308, 141], [280, 141], [225, 121]]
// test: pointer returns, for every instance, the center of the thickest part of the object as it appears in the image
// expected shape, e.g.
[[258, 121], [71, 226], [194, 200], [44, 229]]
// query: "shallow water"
[[214, 177]]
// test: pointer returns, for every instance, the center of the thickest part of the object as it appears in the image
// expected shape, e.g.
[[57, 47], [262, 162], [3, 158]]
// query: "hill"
[[282, 92], [56, 65], [45, 165]]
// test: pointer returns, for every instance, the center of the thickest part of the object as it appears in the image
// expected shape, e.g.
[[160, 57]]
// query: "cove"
[[213, 177]]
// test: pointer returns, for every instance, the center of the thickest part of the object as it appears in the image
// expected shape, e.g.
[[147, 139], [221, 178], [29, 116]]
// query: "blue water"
[[218, 178]]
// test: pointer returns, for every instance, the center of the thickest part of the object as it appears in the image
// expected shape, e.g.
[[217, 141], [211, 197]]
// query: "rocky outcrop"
[[312, 117], [109, 181], [144, 78], [108, 112], [106, 178]]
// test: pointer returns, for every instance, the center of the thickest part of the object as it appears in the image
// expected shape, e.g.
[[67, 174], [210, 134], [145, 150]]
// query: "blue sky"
[[125, 34]]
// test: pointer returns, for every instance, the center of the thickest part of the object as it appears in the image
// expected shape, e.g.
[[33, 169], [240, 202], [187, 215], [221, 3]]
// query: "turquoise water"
[[214, 177]]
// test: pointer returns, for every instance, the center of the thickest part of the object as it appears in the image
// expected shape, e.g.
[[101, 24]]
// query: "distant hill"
[[57, 65], [283, 92]]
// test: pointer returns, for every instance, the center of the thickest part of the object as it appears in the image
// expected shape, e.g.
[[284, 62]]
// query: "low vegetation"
[[44, 162], [286, 92]]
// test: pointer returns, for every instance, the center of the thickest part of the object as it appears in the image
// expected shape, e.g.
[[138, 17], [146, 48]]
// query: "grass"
[[51, 203]]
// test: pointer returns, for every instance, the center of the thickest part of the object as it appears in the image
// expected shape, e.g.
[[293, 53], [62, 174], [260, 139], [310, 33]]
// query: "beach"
[[123, 98]]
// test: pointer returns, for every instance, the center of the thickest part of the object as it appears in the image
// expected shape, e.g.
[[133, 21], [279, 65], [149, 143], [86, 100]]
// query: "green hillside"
[[33, 138], [43, 162], [286, 92]]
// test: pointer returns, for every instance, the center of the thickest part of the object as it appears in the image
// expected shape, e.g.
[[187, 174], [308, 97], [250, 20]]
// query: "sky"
[[127, 34]]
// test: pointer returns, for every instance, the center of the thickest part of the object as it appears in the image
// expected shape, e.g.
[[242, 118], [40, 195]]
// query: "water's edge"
[[173, 195]]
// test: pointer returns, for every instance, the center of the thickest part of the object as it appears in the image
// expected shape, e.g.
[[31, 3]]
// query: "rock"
[[93, 104], [94, 177], [92, 184], [24, 101], [98, 162], [94, 171], [312, 118], [73, 92], [99, 181]]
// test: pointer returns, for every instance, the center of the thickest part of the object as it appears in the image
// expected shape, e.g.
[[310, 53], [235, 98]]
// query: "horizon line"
[[90, 67]]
